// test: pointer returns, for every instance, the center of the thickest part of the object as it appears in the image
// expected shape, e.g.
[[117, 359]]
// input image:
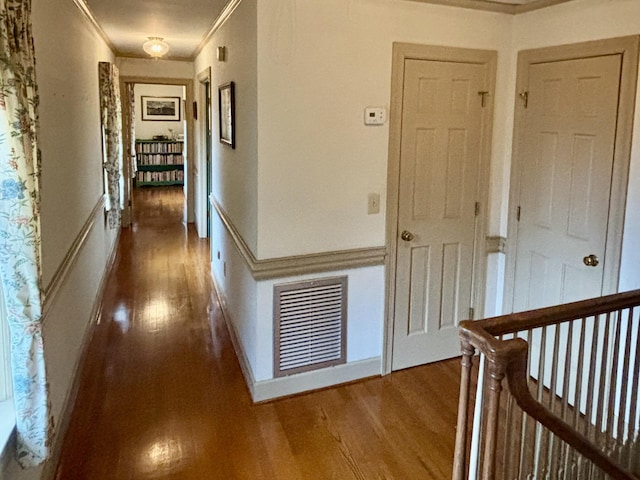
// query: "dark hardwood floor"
[[162, 395]]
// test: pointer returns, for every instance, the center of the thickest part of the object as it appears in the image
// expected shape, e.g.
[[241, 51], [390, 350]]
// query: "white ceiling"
[[182, 23]]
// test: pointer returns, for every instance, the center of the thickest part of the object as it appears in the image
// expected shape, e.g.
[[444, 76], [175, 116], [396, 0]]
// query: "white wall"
[[234, 179], [303, 187], [320, 64], [237, 289], [146, 129], [70, 131], [234, 171], [70, 142], [580, 21]]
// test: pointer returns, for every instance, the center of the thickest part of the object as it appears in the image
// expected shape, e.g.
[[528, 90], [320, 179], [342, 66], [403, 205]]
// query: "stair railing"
[[570, 410]]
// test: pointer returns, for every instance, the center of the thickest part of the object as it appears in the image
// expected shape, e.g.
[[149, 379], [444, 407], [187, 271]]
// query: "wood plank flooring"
[[162, 395]]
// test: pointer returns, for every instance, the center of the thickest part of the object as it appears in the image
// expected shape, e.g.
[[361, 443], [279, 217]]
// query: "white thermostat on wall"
[[375, 115]]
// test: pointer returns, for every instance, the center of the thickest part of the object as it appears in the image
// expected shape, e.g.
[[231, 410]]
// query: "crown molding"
[[489, 6], [538, 5], [217, 23], [90, 17], [473, 5]]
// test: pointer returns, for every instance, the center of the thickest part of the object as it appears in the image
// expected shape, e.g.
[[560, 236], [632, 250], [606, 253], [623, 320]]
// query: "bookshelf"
[[160, 162]]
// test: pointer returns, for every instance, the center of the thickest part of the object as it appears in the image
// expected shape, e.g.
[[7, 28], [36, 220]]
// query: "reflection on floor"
[[162, 395]]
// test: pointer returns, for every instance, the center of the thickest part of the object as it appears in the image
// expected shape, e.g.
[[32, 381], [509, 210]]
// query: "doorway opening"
[[204, 79], [157, 137]]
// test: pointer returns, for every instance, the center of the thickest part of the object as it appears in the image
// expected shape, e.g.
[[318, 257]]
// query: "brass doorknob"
[[591, 260], [406, 236]]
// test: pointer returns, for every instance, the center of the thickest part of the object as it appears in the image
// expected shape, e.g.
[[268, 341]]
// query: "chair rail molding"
[[61, 274], [299, 264]]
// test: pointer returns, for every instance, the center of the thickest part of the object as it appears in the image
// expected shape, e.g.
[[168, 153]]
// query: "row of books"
[[158, 147], [168, 176], [153, 159]]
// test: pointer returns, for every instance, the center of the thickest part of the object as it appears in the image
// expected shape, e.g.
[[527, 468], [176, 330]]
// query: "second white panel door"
[[442, 124]]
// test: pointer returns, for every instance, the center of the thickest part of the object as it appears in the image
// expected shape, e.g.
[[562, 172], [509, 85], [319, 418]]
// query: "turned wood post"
[[496, 374], [460, 457]]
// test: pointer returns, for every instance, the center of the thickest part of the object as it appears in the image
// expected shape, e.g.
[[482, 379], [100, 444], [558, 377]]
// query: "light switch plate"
[[373, 203]]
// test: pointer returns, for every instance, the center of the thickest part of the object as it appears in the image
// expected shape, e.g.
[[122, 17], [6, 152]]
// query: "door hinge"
[[477, 210], [471, 313], [483, 95], [524, 96], [518, 213]]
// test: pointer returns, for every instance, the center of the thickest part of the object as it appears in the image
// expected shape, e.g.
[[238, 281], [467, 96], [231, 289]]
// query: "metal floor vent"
[[310, 325]]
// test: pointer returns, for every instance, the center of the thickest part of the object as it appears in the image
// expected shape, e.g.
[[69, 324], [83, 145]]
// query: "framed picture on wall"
[[226, 109], [164, 109]]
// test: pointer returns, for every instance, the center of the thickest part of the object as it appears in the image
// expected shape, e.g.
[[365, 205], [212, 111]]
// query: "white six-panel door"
[[565, 180], [442, 124]]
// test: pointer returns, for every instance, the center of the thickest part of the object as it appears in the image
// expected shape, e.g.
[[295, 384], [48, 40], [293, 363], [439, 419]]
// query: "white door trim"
[[628, 48], [402, 52]]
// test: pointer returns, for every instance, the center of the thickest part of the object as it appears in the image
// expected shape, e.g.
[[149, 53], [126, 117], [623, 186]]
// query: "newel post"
[[460, 457]]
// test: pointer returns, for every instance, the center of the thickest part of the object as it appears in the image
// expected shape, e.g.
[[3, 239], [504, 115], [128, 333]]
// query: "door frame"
[[204, 220], [628, 48], [126, 138], [411, 51]]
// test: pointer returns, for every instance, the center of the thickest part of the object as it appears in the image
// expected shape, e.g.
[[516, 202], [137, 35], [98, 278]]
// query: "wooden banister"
[[510, 359], [521, 321]]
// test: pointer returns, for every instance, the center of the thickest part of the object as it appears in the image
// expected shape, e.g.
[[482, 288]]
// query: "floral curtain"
[[111, 113], [131, 93], [20, 230]]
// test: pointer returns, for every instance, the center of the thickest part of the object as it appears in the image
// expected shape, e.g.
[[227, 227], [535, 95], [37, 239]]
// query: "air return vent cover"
[[310, 325]]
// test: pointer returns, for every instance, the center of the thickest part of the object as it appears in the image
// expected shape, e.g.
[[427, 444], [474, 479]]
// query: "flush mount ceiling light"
[[156, 47]]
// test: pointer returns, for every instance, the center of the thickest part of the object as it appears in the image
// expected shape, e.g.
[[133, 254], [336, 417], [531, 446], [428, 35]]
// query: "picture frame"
[[161, 109], [226, 114]]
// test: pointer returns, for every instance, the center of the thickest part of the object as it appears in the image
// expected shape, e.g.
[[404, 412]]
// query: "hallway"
[[162, 396]]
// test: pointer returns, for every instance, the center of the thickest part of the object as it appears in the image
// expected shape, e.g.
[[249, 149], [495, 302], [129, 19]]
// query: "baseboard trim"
[[245, 367], [299, 264], [318, 379], [70, 399], [266, 390], [62, 273]]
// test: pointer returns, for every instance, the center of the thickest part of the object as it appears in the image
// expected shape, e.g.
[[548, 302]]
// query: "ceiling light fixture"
[[156, 47]]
